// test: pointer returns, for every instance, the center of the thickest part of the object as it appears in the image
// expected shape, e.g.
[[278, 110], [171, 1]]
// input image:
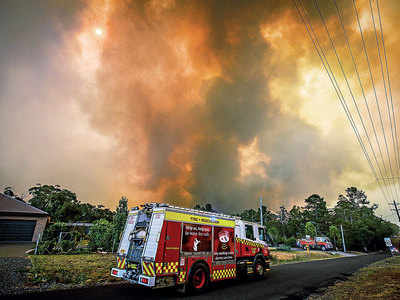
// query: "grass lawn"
[[381, 280], [282, 257], [83, 269]]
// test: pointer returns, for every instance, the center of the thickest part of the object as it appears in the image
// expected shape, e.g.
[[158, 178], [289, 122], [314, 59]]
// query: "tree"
[[59, 203], [334, 234], [295, 225], [317, 212], [63, 206], [9, 191], [100, 235], [358, 197], [207, 207], [310, 229], [273, 232], [119, 220]]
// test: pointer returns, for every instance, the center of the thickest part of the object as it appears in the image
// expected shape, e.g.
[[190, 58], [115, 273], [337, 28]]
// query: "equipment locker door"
[[172, 241]]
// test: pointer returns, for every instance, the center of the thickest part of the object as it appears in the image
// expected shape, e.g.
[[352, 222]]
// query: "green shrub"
[[66, 245], [46, 247], [291, 241], [101, 235]]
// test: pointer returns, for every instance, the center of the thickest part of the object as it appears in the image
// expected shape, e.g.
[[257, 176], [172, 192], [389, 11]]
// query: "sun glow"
[[99, 31]]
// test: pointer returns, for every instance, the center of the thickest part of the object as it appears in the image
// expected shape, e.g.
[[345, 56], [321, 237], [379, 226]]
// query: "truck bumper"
[[142, 279]]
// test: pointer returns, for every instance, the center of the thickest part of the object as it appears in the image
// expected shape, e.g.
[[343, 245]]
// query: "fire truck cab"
[[164, 245]]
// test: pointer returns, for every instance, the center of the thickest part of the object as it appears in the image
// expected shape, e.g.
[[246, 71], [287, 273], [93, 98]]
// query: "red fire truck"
[[164, 245], [320, 242]]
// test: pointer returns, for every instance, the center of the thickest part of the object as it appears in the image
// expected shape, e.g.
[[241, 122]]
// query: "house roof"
[[14, 207]]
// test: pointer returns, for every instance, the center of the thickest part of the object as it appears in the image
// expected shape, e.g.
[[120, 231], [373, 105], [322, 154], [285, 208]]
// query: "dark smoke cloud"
[[158, 117]]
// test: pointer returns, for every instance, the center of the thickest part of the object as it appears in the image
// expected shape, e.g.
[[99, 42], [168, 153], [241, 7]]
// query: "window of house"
[[249, 232]]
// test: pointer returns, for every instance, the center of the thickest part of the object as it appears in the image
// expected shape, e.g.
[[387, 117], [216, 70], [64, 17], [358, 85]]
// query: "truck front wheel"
[[199, 279], [259, 268]]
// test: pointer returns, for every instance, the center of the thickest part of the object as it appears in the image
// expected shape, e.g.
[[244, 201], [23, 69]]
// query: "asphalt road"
[[290, 281]]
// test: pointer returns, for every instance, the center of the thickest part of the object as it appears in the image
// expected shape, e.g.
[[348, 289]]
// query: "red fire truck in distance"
[[320, 242], [164, 245]]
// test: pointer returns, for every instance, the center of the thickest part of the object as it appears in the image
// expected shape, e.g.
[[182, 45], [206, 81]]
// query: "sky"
[[189, 102]]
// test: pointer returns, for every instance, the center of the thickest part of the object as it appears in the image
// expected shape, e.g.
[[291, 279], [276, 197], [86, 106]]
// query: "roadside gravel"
[[12, 274]]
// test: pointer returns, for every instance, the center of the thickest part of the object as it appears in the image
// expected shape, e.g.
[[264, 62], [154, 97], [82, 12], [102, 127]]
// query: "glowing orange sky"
[[184, 102]]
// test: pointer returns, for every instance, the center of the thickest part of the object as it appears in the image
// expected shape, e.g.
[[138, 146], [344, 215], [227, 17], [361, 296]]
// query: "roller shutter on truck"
[[17, 230]]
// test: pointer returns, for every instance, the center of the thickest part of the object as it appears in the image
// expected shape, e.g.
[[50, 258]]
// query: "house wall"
[[40, 224]]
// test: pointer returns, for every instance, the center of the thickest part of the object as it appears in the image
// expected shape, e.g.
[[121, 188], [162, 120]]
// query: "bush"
[[50, 245], [66, 245], [101, 235], [291, 241], [46, 247]]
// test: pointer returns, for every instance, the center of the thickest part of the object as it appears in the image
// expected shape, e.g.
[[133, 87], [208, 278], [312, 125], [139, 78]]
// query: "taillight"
[[114, 272], [144, 280]]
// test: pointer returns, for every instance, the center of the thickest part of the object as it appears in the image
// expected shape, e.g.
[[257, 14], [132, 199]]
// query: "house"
[[19, 221]]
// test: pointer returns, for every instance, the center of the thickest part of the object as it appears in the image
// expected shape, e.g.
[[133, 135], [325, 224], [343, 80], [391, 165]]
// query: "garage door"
[[17, 230]]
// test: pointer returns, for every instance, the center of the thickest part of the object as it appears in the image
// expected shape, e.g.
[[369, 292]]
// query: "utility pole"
[[261, 214], [396, 209], [344, 244]]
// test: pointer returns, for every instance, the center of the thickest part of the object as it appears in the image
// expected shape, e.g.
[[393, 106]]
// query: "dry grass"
[[380, 280], [84, 269], [281, 257]]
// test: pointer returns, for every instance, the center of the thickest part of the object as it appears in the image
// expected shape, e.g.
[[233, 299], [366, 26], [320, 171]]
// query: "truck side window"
[[249, 232], [261, 234]]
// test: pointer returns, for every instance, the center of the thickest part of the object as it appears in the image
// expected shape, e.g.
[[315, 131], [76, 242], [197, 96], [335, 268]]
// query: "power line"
[[384, 86], [396, 147], [328, 69], [335, 85], [371, 76], [343, 72], [359, 81]]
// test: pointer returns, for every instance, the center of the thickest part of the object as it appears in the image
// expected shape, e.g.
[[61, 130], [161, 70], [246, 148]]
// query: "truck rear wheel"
[[199, 279]]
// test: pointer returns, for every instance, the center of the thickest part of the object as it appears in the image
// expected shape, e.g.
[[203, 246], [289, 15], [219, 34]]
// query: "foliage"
[[63, 206], [50, 243], [101, 235], [310, 229], [273, 232], [291, 241], [334, 235], [119, 219], [207, 207], [363, 230], [316, 212]]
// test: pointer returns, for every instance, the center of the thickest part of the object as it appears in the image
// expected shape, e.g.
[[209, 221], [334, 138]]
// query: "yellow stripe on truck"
[[148, 269], [191, 218]]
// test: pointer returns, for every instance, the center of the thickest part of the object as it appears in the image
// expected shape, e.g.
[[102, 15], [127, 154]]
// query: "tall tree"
[[119, 220], [317, 212]]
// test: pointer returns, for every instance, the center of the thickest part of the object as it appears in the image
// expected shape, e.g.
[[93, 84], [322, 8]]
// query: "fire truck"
[[320, 242], [164, 245]]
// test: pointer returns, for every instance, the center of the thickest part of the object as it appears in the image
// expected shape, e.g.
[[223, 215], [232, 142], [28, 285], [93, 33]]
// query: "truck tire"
[[259, 268], [199, 279], [323, 248]]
